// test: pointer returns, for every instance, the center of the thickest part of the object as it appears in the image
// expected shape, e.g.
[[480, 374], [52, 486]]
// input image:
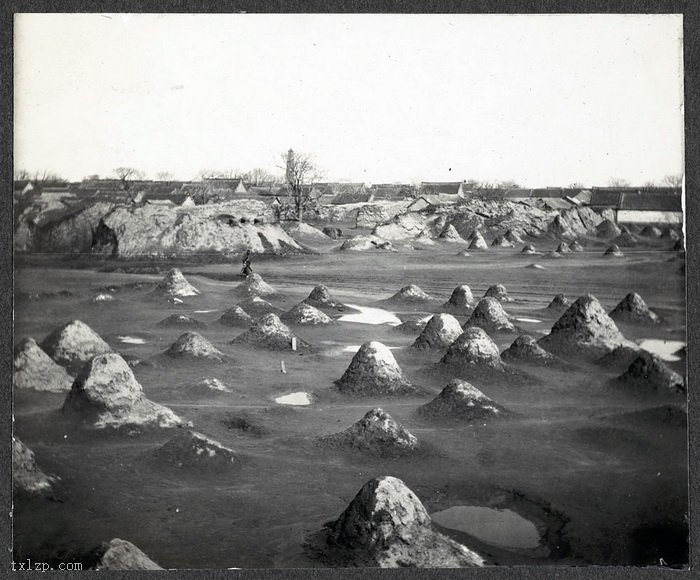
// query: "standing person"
[[246, 270]]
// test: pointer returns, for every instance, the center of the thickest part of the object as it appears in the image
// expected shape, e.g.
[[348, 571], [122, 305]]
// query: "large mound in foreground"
[[26, 474], [74, 344], [387, 526], [106, 394], [118, 554], [34, 369], [375, 434], [374, 371]]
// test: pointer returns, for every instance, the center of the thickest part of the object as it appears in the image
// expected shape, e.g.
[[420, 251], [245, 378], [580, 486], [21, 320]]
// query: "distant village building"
[[428, 188]]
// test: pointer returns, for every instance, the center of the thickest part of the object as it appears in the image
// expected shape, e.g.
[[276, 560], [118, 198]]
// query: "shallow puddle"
[[666, 349], [131, 340], [203, 311], [370, 316], [523, 319], [300, 398], [500, 527]]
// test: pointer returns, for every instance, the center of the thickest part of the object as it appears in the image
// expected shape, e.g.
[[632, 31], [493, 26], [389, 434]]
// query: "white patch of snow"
[[203, 311], [131, 340], [369, 315], [300, 398], [355, 347], [523, 319]]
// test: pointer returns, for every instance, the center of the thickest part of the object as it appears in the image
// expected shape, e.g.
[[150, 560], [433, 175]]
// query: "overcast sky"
[[543, 100]]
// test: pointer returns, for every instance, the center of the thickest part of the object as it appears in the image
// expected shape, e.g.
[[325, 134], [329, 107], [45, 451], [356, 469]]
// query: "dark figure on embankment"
[[246, 270]]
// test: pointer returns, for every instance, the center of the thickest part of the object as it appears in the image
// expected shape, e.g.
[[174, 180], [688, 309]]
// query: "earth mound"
[[632, 308], [625, 239], [559, 302], [648, 371], [256, 306], [460, 301], [620, 357], [332, 233], [321, 298], [553, 255], [563, 248], [614, 251], [181, 321], [118, 554], [374, 371], [584, 329], [478, 242], [607, 229], [650, 232], [411, 326], [254, 285], [34, 369], [575, 246], [193, 345], [513, 237], [387, 526], [74, 344], [525, 349], [236, 316], [501, 242], [376, 434], [103, 297], [670, 234], [363, 243], [306, 314], [499, 292], [441, 331], [192, 449], [528, 249], [489, 315], [450, 234], [26, 474], [410, 293], [271, 333], [106, 394], [679, 246], [209, 384], [473, 349], [460, 400], [535, 267], [425, 238], [304, 233], [175, 285]]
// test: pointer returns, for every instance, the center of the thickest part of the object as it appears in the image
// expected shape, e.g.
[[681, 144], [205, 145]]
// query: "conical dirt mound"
[[254, 285], [34, 369], [441, 331], [499, 292], [563, 248], [474, 349], [489, 315], [424, 238], [271, 333], [670, 234], [650, 232], [387, 526], [679, 246], [501, 242], [26, 474], [450, 234], [410, 293], [74, 344], [460, 301], [411, 326], [181, 321], [256, 306], [374, 371], [176, 285], [306, 314], [460, 400], [106, 394], [632, 308], [584, 329], [192, 449], [376, 434], [648, 371], [321, 298], [192, 345], [236, 316], [620, 357], [626, 240], [559, 302], [528, 249], [575, 246], [478, 242], [119, 554], [513, 237], [526, 350], [607, 229], [614, 251]]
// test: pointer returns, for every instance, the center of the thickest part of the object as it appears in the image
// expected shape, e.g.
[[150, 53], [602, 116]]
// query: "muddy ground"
[[601, 472]]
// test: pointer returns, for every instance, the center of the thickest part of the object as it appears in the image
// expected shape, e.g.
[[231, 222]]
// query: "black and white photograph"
[[322, 290]]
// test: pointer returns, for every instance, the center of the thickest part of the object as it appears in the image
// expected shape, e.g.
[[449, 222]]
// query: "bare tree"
[[22, 175], [300, 174], [650, 184], [508, 184], [618, 182], [164, 176], [127, 175], [674, 180], [259, 176]]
